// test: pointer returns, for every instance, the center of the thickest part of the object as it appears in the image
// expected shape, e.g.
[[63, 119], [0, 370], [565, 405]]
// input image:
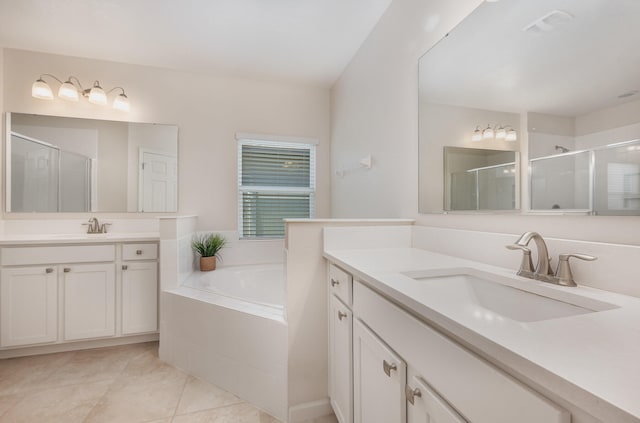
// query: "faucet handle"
[[526, 266], [563, 273], [103, 227]]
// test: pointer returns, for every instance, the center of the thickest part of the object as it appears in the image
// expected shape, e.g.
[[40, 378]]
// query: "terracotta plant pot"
[[207, 263]]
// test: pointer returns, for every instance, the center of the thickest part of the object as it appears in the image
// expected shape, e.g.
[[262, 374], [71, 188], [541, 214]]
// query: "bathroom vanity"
[[420, 336], [63, 292]]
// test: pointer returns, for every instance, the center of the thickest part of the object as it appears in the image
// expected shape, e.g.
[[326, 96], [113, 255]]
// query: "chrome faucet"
[[94, 226], [542, 271]]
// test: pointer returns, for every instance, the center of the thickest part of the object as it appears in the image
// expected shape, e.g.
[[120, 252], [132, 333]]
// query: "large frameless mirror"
[[59, 164], [561, 78]]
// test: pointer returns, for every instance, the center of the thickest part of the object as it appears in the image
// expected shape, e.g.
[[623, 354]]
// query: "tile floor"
[[126, 384]]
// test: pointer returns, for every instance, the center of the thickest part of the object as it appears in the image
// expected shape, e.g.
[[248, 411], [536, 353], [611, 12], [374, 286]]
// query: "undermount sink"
[[483, 297]]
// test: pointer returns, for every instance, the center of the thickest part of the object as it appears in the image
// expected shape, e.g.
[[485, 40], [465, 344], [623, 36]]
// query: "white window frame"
[[276, 142]]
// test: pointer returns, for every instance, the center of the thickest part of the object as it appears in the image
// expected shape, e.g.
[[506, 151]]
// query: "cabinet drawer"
[[140, 251], [479, 391], [19, 256], [340, 284]]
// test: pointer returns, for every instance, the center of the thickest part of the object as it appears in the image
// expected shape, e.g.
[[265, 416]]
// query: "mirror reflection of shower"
[[47, 178]]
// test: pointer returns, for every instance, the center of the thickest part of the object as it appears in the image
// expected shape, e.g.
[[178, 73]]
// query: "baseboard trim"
[[72, 346], [309, 410]]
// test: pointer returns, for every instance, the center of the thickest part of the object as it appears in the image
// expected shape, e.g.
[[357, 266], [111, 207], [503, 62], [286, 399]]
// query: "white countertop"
[[76, 238], [592, 360]]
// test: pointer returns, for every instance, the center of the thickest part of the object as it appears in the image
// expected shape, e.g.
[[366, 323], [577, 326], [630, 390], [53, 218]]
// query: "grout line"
[[175, 411]]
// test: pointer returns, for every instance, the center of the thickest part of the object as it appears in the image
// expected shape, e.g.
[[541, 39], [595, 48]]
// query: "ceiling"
[[580, 66], [308, 41]]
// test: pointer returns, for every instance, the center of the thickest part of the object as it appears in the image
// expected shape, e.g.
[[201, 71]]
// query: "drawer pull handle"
[[125, 267], [411, 394], [139, 252], [341, 315], [67, 270], [334, 282], [388, 368], [49, 270]]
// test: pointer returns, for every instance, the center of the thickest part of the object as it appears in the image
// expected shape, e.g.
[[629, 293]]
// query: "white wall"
[[208, 110], [375, 110]]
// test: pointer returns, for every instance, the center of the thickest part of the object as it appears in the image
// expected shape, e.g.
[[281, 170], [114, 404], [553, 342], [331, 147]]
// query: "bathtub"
[[256, 284], [228, 327]]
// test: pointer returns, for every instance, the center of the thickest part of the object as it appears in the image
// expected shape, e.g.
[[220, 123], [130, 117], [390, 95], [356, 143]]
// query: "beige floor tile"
[[199, 395], [141, 398], [325, 419], [19, 375], [238, 413], [8, 401], [92, 366], [66, 405]]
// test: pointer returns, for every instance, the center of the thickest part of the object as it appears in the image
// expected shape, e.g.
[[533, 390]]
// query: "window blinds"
[[276, 181]]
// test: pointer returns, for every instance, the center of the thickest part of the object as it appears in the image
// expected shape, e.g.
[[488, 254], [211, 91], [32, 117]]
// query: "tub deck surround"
[[589, 360]]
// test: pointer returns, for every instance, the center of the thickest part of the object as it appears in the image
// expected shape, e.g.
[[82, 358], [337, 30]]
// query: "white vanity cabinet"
[[28, 305], [424, 404], [340, 344], [89, 292], [139, 288], [58, 294], [379, 376], [406, 371]]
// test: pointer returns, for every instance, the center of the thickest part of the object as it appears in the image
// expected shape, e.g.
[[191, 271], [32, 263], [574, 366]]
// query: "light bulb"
[[41, 90], [121, 103], [97, 95], [488, 132], [477, 135], [501, 133], [511, 135], [68, 91]]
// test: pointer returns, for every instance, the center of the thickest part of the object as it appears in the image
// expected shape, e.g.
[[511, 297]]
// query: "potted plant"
[[208, 246]]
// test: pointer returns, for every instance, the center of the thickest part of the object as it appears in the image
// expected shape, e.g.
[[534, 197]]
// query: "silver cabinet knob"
[[49, 270], [411, 394], [341, 315], [388, 367], [125, 267], [139, 252], [334, 282], [66, 270]]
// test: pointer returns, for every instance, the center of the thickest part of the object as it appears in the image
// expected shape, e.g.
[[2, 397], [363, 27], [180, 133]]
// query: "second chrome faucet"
[[543, 271]]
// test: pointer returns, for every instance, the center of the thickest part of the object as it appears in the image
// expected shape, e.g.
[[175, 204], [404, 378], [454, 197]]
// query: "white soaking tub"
[[228, 327]]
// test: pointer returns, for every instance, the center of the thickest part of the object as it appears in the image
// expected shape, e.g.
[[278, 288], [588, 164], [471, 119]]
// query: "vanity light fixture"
[[499, 132], [71, 89]]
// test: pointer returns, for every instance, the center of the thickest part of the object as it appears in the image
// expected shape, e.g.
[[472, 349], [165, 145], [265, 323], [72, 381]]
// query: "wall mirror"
[[479, 179], [60, 164], [563, 78]]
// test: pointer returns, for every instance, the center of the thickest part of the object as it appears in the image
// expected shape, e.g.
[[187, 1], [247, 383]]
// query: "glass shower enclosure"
[[46, 178]]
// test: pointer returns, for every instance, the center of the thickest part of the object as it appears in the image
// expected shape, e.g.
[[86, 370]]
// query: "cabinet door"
[[139, 297], [425, 405], [89, 300], [340, 360], [379, 376], [29, 306]]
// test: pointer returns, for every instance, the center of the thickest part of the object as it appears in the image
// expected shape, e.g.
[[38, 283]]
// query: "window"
[[276, 181]]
